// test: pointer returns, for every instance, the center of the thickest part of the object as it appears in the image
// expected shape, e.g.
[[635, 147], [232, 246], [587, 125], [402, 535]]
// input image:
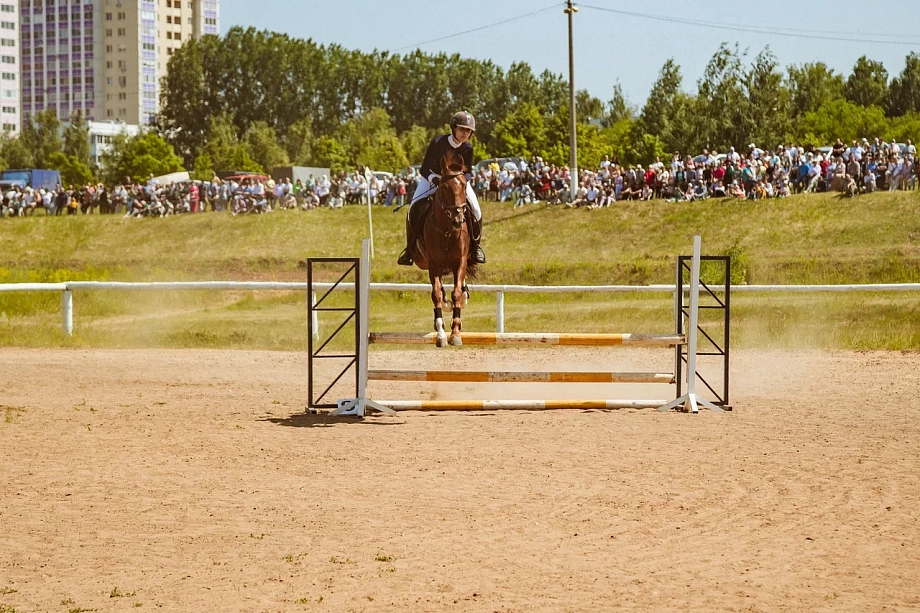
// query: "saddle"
[[418, 214]]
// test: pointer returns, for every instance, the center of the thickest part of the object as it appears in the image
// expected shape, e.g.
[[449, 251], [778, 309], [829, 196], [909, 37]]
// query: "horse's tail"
[[472, 269]]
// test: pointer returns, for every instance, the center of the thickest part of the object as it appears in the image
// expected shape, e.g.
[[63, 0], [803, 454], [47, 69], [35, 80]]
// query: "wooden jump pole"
[[519, 377], [518, 405], [530, 338]]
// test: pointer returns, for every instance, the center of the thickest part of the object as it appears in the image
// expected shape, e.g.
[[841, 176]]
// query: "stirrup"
[[478, 256], [404, 258]]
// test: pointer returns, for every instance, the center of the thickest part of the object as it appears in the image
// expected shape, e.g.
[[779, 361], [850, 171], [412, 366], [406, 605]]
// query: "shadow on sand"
[[324, 420]]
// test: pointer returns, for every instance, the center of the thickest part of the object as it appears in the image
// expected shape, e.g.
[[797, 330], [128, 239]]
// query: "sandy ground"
[[193, 481]]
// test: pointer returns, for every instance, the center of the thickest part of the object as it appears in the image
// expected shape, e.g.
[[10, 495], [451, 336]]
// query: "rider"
[[462, 125]]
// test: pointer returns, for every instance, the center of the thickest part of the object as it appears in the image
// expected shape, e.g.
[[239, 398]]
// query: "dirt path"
[[192, 481]]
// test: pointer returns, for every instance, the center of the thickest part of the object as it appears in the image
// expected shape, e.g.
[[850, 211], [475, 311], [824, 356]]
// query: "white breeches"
[[425, 189]]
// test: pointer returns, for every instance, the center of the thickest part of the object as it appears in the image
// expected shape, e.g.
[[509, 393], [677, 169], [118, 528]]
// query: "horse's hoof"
[[442, 341], [455, 340]]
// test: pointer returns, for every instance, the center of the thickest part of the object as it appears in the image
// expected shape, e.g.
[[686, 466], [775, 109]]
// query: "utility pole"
[[570, 10]]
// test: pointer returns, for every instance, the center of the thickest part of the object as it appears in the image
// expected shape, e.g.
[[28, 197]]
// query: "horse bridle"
[[447, 208]]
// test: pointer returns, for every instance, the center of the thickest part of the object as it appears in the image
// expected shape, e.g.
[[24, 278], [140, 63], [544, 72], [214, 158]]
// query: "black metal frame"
[[315, 402], [683, 264]]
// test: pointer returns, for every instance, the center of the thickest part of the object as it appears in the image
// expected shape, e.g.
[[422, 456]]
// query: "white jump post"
[[67, 312], [358, 406], [690, 401]]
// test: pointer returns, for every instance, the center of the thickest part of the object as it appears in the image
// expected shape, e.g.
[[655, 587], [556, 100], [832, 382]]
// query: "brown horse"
[[444, 245]]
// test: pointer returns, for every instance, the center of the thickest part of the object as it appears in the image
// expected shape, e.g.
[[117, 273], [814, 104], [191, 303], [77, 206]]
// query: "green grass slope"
[[805, 239]]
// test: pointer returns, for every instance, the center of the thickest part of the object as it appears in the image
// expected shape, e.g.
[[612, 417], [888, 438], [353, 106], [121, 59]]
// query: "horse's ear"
[[445, 162]]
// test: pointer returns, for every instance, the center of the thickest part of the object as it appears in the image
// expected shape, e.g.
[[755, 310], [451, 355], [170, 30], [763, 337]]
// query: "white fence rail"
[[68, 287]]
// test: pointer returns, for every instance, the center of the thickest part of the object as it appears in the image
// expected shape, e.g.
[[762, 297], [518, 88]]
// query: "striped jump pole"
[[518, 377], [533, 338], [519, 405]]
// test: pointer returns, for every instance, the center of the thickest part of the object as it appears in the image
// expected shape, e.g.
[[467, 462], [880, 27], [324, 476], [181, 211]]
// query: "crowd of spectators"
[[860, 167]]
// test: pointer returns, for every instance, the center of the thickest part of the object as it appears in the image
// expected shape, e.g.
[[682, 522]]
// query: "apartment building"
[[9, 68], [104, 57]]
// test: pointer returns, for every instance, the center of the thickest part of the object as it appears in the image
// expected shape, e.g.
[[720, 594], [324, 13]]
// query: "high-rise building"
[[60, 53], [9, 67], [103, 57]]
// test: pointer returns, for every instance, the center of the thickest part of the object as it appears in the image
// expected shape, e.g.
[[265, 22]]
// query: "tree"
[[812, 85], [41, 135], [842, 119], [138, 158], [904, 93], [203, 169], [663, 112], [298, 142], [618, 108], [224, 148], [73, 171], [868, 84], [587, 107], [76, 139], [415, 142], [15, 153], [722, 114], [769, 102], [262, 144], [521, 133], [330, 153], [370, 140]]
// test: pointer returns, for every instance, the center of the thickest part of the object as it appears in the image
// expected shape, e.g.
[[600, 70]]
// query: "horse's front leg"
[[437, 299], [458, 297]]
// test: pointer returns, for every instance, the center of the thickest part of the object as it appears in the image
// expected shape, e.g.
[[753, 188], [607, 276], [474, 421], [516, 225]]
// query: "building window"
[[109, 65], [9, 109], [108, 81], [122, 81], [9, 59], [149, 47], [122, 64], [108, 17], [121, 16], [178, 36], [108, 112], [9, 127], [8, 76], [122, 96], [168, 19], [7, 8], [121, 31], [122, 112], [168, 50], [108, 32], [7, 42], [108, 48], [169, 36], [7, 25]]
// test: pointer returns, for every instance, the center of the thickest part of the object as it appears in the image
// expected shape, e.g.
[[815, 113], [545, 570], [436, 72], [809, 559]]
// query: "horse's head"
[[452, 190]]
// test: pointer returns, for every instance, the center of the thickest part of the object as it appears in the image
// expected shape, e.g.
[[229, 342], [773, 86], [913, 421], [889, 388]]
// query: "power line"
[[555, 5], [851, 37]]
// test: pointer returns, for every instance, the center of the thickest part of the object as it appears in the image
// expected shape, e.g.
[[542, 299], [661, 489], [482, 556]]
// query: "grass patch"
[[816, 238]]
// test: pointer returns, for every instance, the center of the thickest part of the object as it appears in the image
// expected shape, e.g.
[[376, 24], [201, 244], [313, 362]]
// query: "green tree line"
[[252, 100]]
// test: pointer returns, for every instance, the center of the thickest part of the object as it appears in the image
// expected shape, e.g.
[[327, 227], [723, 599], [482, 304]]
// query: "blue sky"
[[608, 47]]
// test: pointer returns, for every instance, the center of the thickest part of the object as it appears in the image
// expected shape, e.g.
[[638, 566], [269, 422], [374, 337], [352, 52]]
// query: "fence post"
[[67, 312], [500, 312], [315, 316]]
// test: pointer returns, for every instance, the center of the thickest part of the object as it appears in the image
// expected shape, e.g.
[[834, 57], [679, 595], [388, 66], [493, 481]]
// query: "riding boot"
[[477, 255], [405, 258]]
